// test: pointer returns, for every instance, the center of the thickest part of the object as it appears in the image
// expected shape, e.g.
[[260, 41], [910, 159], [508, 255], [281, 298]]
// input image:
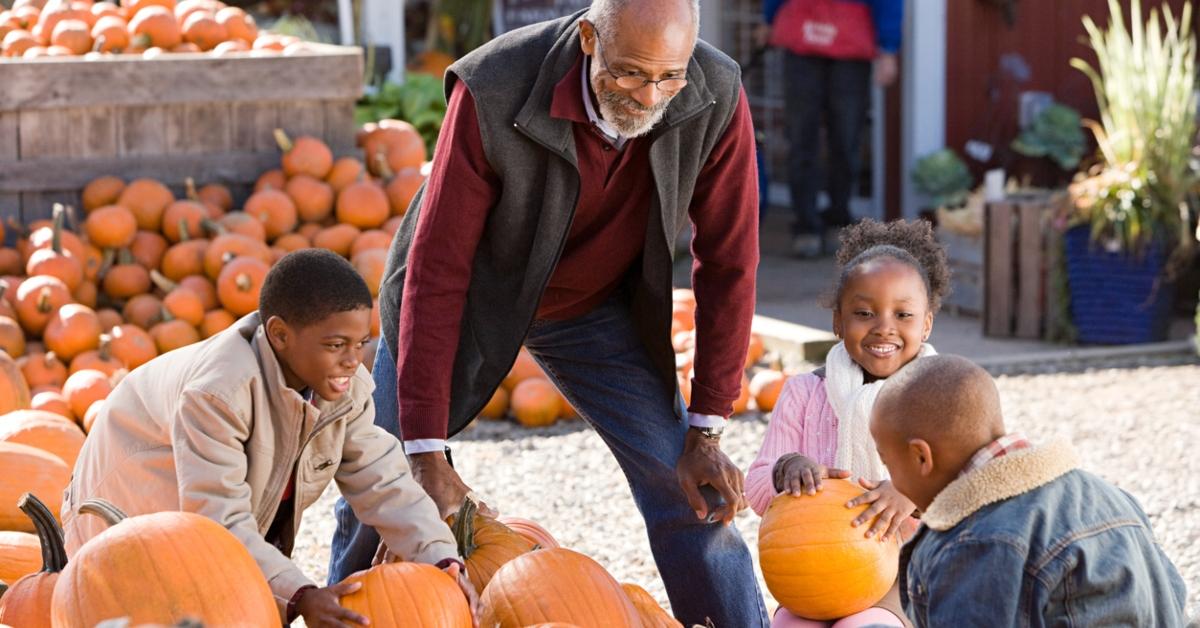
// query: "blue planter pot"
[[1116, 298]]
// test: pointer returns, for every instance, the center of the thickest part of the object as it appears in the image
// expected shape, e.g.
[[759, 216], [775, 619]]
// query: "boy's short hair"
[[310, 285]]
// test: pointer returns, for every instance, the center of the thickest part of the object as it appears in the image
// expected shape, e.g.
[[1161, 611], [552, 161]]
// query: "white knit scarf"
[[852, 401]]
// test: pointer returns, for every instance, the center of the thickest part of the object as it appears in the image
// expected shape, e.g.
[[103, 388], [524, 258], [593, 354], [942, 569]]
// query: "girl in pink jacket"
[[891, 282]]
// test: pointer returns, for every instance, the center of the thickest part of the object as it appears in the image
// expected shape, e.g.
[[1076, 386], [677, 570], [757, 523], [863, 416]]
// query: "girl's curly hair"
[[909, 242]]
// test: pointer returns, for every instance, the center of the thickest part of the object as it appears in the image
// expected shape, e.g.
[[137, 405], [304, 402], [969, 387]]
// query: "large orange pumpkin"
[[313, 197], [25, 468], [484, 543], [27, 601], [74, 35], [37, 299], [535, 402], [20, 555], [185, 216], [555, 585], [531, 530], [85, 388], [14, 392], [147, 199], [132, 345], [229, 246], [219, 586], [185, 258], [43, 369], [274, 209], [111, 227], [653, 615], [363, 204], [814, 563], [239, 284], [408, 594], [155, 26], [46, 431], [73, 330], [304, 155]]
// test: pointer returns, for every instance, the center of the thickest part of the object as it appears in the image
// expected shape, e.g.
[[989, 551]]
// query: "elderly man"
[[572, 154]]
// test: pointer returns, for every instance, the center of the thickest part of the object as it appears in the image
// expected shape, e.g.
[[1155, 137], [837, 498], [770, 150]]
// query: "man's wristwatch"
[[712, 433]]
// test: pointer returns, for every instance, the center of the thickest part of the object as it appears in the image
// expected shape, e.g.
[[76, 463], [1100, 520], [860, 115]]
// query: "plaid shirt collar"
[[1004, 445]]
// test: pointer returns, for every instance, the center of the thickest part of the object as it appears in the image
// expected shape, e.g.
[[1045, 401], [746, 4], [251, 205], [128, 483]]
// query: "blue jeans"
[[602, 368]]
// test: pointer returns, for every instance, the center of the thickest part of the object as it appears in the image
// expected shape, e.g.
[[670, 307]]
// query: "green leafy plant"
[[943, 177], [419, 100], [1145, 88], [1057, 133]]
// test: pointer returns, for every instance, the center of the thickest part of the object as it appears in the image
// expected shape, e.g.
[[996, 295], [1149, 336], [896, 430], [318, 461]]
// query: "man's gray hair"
[[603, 13]]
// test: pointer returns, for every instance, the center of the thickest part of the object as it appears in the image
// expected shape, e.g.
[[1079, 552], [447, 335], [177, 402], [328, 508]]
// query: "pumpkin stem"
[[464, 527], [165, 315], [243, 282], [125, 257], [189, 185], [3, 588], [160, 280], [106, 261], [21, 230], [184, 236], [50, 359], [142, 41], [212, 226], [105, 349], [285, 143], [104, 509], [50, 534], [385, 170], [43, 301], [56, 238]]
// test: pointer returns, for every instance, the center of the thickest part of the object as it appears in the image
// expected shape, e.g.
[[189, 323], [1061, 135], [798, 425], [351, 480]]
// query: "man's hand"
[[703, 462], [796, 474], [887, 68], [322, 607], [468, 589], [441, 481], [889, 508]]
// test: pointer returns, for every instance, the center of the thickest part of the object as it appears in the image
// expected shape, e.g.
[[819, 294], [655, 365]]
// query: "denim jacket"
[[1030, 540]]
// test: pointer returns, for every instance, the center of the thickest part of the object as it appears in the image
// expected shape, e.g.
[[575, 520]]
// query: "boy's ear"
[[921, 455], [277, 332]]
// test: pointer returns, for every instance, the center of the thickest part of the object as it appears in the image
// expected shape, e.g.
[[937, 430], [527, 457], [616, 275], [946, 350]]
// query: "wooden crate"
[[1017, 258], [65, 121], [964, 256]]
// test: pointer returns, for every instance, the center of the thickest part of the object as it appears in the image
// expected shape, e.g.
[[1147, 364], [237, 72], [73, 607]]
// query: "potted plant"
[[945, 181], [1056, 133], [1128, 215]]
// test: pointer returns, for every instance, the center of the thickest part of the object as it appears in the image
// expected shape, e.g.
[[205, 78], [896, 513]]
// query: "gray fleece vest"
[[512, 79]]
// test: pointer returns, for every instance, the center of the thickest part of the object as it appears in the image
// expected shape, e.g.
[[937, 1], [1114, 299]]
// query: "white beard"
[[613, 110]]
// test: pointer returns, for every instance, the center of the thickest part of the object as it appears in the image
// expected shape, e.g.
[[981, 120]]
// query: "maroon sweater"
[[606, 237]]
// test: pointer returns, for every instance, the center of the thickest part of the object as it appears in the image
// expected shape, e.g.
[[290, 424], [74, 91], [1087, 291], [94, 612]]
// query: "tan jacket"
[[212, 428]]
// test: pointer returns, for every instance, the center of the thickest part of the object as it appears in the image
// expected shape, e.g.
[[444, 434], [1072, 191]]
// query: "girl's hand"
[[888, 508], [796, 474]]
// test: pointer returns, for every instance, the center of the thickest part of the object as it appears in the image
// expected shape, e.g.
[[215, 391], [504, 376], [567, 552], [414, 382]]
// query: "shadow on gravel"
[[485, 430], [1085, 365]]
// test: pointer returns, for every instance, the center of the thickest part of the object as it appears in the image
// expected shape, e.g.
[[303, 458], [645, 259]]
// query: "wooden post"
[[1031, 269], [998, 264]]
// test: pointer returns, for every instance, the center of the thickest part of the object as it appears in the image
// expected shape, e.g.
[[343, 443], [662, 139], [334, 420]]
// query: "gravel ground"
[[1135, 423]]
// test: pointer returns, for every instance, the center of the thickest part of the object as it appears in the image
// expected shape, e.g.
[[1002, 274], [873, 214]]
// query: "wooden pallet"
[[66, 121], [1017, 253]]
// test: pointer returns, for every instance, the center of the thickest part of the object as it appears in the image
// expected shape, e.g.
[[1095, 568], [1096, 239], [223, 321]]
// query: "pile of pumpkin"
[[533, 401], [525, 578], [55, 28]]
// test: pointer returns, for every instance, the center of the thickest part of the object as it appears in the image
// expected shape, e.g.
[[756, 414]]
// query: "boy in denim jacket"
[[1012, 534]]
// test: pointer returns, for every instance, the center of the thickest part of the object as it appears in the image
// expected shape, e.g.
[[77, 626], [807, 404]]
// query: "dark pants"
[[604, 371], [839, 91]]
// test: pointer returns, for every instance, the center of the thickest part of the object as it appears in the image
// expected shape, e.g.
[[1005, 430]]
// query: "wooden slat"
[[10, 207], [208, 129], [253, 126], [49, 133], [9, 136], [304, 118], [175, 119], [99, 133], [141, 130], [339, 126], [73, 173], [333, 73], [998, 265], [1031, 269], [38, 205]]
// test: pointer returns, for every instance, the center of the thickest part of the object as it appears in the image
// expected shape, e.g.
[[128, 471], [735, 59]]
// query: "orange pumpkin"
[[101, 9], [394, 145], [203, 30], [484, 543], [37, 299], [371, 239], [755, 351], [89, 419], [653, 616], [304, 155], [93, 262], [345, 171], [43, 369], [148, 248], [12, 337], [531, 530], [370, 265], [110, 34], [20, 555], [52, 402], [99, 359], [185, 258], [402, 188], [182, 217], [155, 26], [497, 406], [215, 322], [173, 334], [95, 584], [239, 284], [84, 388], [18, 42], [74, 35], [127, 279], [185, 8], [535, 402], [41, 473], [363, 204], [43, 233], [27, 601], [132, 345], [143, 310], [245, 224], [765, 387], [313, 198], [555, 585], [49, 432], [102, 191], [309, 230], [201, 287], [184, 305], [422, 594], [72, 330], [56, 260], [226, 247], [339, 238], [273, 179], [815, 563], [238, 25], [522, 369], [10, 262], [289, 242], [742, 403], [216, 195], [147, 199], [109, 317], [274, 209]]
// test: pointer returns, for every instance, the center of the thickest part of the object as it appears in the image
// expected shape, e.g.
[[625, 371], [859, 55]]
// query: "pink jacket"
[[803, 422]]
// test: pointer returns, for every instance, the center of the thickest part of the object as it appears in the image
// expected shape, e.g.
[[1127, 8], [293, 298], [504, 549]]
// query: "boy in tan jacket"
[[250, 426]]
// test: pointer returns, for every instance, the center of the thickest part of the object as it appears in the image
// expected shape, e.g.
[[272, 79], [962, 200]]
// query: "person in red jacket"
[[572, 154]]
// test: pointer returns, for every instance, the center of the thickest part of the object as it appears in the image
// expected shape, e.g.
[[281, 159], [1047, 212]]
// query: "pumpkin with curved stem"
[[215, 322], [817, 565], [484, 543], [148, 248], [37, 299], [143, 310], [313, 198], [95, 584], [410, 594], [363, 204], [274, 209], [72, 330], [12, 337], [40, 472], [531, 530], [49, 432], [173, 334], [43, 369], [181, 213], [239, 284], [338, 238], [345, 171], [370, 264], [395, 144], [84, 388], [99, 359], [535, 402], [57, 261], [127, 279], [132, 345], [304, 155], [653, 615], [20, 555], [104, 190], [147, 199], [27, 601], [555, 585], [229, 246]]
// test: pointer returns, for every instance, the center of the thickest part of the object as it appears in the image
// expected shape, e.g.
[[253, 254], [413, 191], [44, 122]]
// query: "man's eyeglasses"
[[634, 81]]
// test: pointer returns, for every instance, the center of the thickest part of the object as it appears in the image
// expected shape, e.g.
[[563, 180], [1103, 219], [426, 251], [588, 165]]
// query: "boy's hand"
[[441, 481], [322, 607], [888, 508], [798, 474], [468, 590]]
